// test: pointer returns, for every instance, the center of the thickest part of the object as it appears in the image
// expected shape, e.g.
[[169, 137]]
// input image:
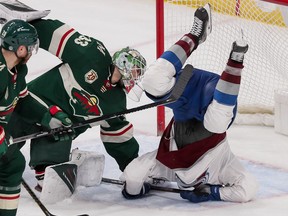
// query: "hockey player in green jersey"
[[88, 83], [19, 40]]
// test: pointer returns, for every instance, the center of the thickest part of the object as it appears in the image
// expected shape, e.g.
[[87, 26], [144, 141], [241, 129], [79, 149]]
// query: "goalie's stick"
[[39, 203], [174, 96], [153, 187]]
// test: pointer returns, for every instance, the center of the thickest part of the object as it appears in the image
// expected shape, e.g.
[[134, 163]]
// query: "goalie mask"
[[132, 66]]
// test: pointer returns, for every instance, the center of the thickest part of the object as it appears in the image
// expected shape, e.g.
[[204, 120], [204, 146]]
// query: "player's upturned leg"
[[202, 25]]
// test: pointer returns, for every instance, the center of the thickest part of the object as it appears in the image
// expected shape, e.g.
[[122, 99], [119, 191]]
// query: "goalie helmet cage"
[[264, 24]]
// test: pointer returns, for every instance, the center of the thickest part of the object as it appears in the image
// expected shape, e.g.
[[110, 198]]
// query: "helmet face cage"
[[33, 49], [18, 32], [131, 65]]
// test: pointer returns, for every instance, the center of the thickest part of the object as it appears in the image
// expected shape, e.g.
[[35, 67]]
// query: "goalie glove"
[[145, 189], [202, 194], [56, 118], [11, 9]]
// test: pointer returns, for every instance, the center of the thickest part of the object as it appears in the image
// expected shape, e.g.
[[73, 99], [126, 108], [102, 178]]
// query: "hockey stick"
[[153, 187], [174, 96], [39, 203]]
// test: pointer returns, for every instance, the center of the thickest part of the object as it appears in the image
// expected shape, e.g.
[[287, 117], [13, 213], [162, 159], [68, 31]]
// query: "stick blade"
[[181, 83]]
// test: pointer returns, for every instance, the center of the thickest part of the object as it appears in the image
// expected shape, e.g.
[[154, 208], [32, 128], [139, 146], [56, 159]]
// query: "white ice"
[[119, 23]]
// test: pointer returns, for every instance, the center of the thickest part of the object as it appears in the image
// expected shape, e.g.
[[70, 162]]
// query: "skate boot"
[[13, 9], [39, 175], [239, 48], [202, 25]]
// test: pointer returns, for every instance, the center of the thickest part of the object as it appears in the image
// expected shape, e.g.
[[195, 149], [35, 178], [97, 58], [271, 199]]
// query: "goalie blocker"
[[84, 168], [11, 9]]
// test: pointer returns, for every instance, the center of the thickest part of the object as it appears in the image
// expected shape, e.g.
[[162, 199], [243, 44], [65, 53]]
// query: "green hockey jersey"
[[14, 97], [81, 85], [12, 88], [13, 91]]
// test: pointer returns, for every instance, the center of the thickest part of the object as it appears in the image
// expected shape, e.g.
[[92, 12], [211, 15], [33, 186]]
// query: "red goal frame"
[[160, 47]]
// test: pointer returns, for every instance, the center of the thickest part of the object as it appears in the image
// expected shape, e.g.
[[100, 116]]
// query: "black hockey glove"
[[145, 189], [203, 194]]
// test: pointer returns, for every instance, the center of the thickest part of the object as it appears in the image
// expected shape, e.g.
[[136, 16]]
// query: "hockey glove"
[[3, 143], [56, 118], [145, 189], [209, 193]]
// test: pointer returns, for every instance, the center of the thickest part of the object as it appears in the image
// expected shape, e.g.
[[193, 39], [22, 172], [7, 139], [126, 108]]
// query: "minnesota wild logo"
[[7, 110], [85, 104]]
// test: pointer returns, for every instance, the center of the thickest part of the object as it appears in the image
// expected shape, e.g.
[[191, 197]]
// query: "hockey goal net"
[[265, 28]]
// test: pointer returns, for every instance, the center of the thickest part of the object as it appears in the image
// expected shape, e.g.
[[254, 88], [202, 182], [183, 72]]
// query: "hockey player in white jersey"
[[194, 150]]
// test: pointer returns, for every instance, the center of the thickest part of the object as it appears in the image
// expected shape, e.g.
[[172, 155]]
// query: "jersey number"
[[82, 40]]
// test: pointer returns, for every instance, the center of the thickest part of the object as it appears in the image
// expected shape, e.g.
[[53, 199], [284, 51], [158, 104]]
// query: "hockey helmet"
[[17, 32], [132, 66], [130, 63]]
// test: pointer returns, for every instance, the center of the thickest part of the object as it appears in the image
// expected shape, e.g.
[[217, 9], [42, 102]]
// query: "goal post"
[[264, 24], [159, 51], [280, 2]]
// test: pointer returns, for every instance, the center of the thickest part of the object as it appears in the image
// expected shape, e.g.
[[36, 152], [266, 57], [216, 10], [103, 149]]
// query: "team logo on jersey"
[[91, 76], [7, 110], [85, 104]]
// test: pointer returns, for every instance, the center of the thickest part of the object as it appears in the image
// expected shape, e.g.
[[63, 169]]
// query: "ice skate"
[[239, 48], [202, 25], [13, 9]]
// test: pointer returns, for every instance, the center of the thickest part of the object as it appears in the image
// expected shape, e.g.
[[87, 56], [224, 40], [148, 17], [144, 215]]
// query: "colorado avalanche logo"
[[84, 104]]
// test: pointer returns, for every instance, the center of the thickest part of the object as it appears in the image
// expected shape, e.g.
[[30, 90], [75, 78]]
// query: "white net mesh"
[[266, 65]]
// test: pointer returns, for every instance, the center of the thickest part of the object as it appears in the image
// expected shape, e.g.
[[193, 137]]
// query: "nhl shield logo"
[[91, 76]]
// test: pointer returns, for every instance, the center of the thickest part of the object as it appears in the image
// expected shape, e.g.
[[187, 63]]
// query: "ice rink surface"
[[118, 23]]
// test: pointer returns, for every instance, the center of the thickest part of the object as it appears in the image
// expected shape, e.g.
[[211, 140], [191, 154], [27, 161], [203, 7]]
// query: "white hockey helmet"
[[132, 66]]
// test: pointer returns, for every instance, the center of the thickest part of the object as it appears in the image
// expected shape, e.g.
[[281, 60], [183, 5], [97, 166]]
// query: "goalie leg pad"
[[90, 167], [85, 168], [59, 182]]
